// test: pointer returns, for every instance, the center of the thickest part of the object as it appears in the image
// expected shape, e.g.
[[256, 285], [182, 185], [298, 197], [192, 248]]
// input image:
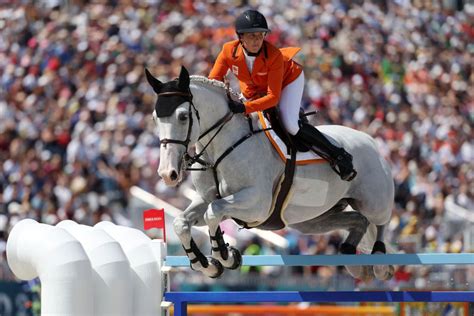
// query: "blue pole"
[[320, 296], [180, 309], [344, 260]]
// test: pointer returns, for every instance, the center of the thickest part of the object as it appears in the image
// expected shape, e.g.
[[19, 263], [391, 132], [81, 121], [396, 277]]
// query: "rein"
[[218, 126], [213, 167]]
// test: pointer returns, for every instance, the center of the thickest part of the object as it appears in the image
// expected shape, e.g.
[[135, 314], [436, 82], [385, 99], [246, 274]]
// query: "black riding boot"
[[336, 156]]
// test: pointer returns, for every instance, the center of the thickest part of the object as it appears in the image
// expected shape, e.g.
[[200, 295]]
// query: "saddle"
[[292, 142]]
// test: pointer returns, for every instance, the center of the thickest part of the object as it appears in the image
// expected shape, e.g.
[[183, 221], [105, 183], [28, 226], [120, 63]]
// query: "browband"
[[171, 93]]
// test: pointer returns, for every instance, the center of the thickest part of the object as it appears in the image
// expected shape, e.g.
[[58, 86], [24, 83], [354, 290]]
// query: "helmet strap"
[[246, 51], [252, 54]]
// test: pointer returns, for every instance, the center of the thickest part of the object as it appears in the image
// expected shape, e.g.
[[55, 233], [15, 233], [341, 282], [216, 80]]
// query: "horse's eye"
[[183, 117]]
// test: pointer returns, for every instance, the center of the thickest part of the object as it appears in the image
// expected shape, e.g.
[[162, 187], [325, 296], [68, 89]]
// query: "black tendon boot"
[[339, 159]]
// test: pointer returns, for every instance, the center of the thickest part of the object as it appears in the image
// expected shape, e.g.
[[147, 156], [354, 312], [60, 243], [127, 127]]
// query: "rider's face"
[[252, 41]]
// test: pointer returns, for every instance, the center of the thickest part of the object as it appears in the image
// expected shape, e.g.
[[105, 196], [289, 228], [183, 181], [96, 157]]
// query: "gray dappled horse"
[[239, 183]]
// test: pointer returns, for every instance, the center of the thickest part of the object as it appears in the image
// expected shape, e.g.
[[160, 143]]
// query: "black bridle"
[[220, 123], [218, 126], [189, 98]]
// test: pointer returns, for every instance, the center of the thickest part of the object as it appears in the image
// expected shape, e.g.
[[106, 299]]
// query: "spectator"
[[75, 128]]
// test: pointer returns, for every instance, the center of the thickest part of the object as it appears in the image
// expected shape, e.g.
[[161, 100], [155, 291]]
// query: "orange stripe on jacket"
[[270, 74]]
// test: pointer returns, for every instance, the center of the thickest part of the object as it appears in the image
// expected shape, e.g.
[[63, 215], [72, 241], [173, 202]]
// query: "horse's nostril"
[[173, 175]]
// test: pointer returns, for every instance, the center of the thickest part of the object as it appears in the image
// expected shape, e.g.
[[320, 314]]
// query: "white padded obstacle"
[[59, 260], [108, 261], [102, 270]]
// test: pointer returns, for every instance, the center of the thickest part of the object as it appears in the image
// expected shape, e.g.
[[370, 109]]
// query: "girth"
[[275, 220]]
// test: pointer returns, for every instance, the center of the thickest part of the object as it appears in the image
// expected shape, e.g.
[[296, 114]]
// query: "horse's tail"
[[368, 240]]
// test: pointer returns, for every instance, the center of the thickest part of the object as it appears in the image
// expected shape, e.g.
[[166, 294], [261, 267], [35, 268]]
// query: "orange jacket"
[[273, 69]]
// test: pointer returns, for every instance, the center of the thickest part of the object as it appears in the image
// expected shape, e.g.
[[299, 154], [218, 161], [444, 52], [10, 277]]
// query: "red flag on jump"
[[154, 218]]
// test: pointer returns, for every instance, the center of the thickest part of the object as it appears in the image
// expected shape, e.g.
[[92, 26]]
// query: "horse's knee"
[[181, 226], [209, 216], [361, 223]]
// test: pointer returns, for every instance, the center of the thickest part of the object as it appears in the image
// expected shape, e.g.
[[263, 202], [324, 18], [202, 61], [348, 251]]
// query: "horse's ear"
[[183, 81], [154, 83]]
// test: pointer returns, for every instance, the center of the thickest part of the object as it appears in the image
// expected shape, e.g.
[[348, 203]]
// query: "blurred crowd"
[[75, 110]]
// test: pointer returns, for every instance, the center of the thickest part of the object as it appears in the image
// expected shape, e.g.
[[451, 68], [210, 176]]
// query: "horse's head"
[[177, 124]]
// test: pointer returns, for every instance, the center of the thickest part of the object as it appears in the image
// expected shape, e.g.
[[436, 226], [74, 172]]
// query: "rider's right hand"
[[236, 106]]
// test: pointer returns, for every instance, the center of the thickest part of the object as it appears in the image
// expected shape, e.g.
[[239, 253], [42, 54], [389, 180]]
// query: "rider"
[[269, 76]]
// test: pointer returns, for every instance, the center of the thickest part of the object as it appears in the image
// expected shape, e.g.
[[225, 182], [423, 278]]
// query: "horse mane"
[[213, 83]]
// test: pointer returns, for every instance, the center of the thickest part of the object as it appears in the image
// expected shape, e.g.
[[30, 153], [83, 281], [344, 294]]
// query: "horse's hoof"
[[237, 258], [347, 249], [219, 267], [355, 271], [384, 273], [367, 274], [379, 247]]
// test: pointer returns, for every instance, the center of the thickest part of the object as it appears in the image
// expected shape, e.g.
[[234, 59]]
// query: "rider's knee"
[[291, 124]]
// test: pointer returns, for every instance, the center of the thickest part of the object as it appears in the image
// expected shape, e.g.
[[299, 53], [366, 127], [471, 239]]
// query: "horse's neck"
[[212, 107]]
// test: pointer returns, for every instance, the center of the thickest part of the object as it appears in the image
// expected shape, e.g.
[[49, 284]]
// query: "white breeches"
[[290, 102]]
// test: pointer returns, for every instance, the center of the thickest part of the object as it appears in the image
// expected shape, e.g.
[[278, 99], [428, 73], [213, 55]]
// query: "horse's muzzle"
[[171, 177], [174, 175]]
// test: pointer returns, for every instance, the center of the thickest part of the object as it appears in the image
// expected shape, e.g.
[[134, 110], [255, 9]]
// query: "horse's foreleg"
[[245, 205], [194, 216], [227, 255]]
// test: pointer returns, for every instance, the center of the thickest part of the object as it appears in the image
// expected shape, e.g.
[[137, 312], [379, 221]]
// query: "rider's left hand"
[[236, 106]]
